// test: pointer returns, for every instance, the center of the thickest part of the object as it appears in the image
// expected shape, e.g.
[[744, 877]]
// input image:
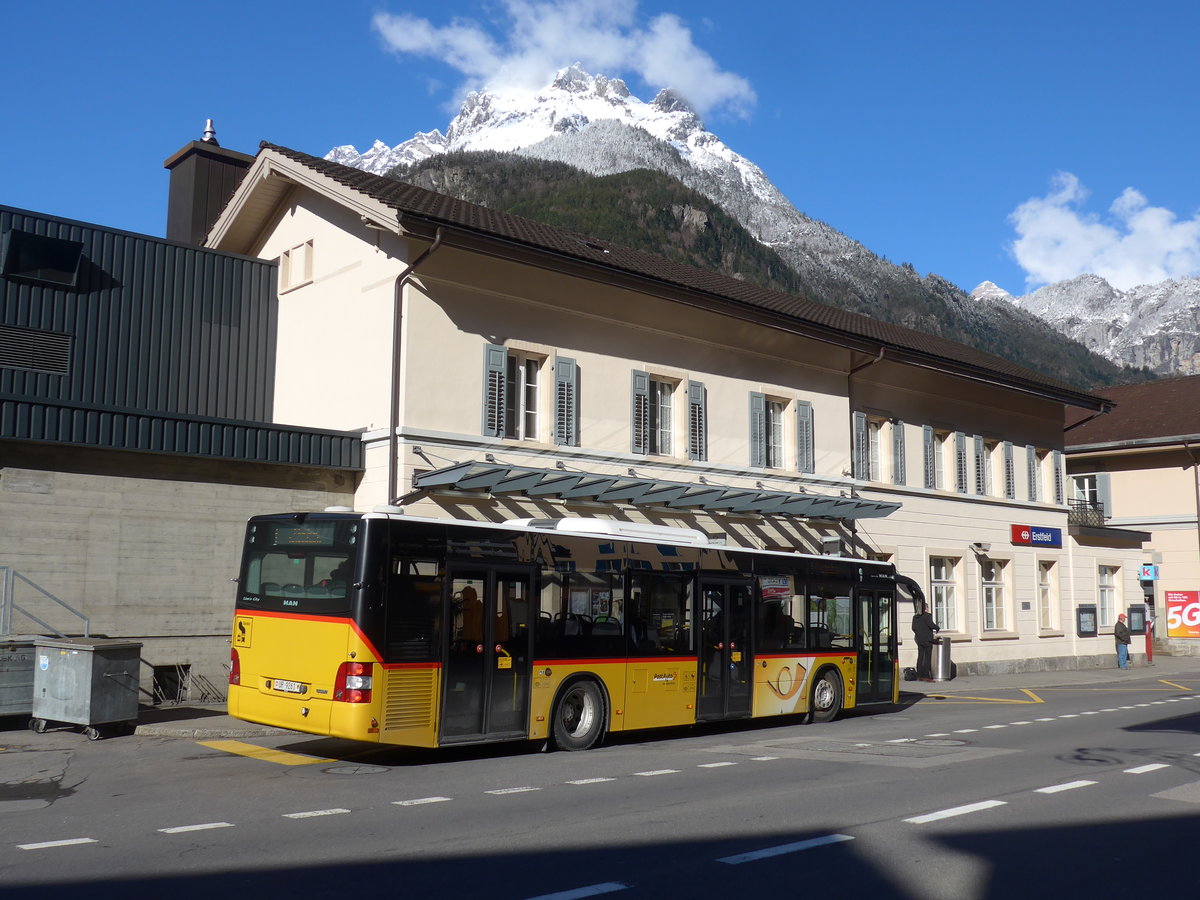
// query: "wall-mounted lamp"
[[981, 547]]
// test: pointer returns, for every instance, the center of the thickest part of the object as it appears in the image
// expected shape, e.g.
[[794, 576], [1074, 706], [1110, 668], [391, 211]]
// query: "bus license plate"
[[292, 687]]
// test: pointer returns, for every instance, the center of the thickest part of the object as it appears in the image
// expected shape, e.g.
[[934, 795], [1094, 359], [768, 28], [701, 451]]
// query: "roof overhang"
[[1108, 537], [500, 479]]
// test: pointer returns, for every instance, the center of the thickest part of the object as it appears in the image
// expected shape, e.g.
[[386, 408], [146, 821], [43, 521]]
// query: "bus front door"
[[726, 675], [487, 659], [877, 650]]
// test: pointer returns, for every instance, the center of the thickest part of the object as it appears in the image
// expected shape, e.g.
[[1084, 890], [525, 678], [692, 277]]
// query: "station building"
[[342, 339]]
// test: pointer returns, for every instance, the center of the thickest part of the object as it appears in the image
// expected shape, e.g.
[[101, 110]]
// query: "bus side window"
[[414, 611]]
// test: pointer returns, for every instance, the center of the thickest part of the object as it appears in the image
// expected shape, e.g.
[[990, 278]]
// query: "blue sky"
[[1021, 142]]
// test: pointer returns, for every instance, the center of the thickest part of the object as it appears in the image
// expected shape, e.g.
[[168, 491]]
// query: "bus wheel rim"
[[578, 712], [824, 694]]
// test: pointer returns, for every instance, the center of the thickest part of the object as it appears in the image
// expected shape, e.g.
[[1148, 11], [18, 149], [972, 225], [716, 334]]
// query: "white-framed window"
[[1108, 595], [296, 266], [985, 453], [991, 576], [1036, 462], [940, 440], [662, 417], [521, 413], [1047, 590], [1085, 489], [943, 591], [869, 447], [774, 433]]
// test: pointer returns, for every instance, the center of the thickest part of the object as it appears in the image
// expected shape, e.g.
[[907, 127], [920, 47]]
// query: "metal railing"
[[1085, 512], [9, 577]]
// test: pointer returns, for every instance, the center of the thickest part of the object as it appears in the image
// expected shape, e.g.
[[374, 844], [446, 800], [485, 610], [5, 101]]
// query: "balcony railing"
[[1085, 512]]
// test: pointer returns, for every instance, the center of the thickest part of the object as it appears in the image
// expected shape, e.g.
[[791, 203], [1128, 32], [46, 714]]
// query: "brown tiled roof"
[[824, 320], [1152, 411]]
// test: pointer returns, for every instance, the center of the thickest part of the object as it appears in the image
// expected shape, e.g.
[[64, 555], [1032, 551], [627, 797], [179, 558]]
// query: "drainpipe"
[[394, 419]]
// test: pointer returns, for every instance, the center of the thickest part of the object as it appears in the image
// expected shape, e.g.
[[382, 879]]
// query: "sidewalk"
[[1163, 667]]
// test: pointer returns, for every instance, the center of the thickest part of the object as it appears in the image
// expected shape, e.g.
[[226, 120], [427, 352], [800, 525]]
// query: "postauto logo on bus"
[[1031, 535]]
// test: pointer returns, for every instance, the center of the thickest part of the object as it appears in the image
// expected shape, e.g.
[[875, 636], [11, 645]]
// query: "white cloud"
[[1135, 244], [543, 36]]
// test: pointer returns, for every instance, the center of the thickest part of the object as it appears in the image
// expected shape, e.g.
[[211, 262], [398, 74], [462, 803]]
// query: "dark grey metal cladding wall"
[[155, 325]]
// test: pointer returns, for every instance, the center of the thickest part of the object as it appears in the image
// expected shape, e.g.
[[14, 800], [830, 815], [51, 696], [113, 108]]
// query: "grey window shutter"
[[960, 462], [980, 462], [1058, 478], [639, 424], [862, 453], [758, 429], [1010, 472], [805, 443], [566, 402], [899, 464], [1104, 493], [930, 463], [697, 421], [1032, 462], [495, 386]]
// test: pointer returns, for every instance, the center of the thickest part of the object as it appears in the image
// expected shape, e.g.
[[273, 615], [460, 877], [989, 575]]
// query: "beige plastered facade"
[[1154, 489], [335, 368]]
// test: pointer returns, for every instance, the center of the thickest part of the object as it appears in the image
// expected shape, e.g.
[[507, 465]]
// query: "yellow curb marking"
[[958, 698], [281, 757]]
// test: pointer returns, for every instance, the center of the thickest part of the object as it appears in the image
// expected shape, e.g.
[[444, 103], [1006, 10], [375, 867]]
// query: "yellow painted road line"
[[281, 757], [960, 698], [1173, 684]]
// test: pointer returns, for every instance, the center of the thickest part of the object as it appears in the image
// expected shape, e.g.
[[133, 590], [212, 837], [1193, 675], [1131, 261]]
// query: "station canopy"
[[499, 478]]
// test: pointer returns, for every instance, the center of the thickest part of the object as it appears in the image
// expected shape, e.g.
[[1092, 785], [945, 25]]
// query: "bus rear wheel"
[[579, 716], [826, 700]]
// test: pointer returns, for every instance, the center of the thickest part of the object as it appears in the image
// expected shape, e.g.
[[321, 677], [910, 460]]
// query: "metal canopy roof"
[[498, 478]]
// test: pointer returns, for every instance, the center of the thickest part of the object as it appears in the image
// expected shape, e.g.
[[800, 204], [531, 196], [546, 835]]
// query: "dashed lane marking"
[[783, 849], [1141, 770], [314, 813], [513, 790], [46, 845], [280, 757], [956, 811], [591, 890], [658, 772], [716, 765], [207, 826], [591, 780], [1069, 786], [421, 801]]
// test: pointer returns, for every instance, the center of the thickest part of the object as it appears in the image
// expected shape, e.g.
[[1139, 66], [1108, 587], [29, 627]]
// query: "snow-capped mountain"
[[1156, 326], [594, 123]]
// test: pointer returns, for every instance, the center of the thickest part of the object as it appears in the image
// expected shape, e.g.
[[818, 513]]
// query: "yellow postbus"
[[431, 632]]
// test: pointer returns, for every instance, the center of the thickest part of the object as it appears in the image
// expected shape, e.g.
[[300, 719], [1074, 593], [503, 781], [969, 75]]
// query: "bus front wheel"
[[579, 716], [826, 701]]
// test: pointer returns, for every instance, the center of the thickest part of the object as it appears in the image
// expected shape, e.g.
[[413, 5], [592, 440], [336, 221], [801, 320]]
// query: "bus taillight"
[[353, 684], [235, 666]]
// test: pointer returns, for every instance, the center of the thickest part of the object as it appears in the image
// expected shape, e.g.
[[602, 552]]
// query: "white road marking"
[[44, 845], [1069, 786], [768, 758], [1069, 716], [1023, 722], [592, 890], [717, 765], [955, 811], [1048, 719], [1092, 712], [939, 734], [312, 814], [965, 730], [1139, 770], [591, 780], [989, 727], [658, 772], [420, 801], [516, 790], [785, 848], [181, 829]]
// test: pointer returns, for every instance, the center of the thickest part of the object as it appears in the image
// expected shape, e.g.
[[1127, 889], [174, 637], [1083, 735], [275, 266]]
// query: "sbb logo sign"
[[1183, 614]]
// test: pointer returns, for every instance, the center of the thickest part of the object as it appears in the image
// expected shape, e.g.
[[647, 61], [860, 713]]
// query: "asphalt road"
[[1035, 792]]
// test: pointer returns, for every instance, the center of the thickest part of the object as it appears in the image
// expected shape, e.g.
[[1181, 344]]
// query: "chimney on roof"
[[204, 176]]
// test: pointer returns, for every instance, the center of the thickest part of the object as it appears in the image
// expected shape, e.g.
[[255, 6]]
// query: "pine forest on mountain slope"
[[655, 213]]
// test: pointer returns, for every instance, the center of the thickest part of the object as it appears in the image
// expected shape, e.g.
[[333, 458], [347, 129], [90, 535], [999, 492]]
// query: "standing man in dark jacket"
[[925, 631], [1121, 634]]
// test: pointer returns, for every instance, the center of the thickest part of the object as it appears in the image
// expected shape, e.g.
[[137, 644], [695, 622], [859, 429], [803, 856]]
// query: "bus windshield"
[[299, 566]]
